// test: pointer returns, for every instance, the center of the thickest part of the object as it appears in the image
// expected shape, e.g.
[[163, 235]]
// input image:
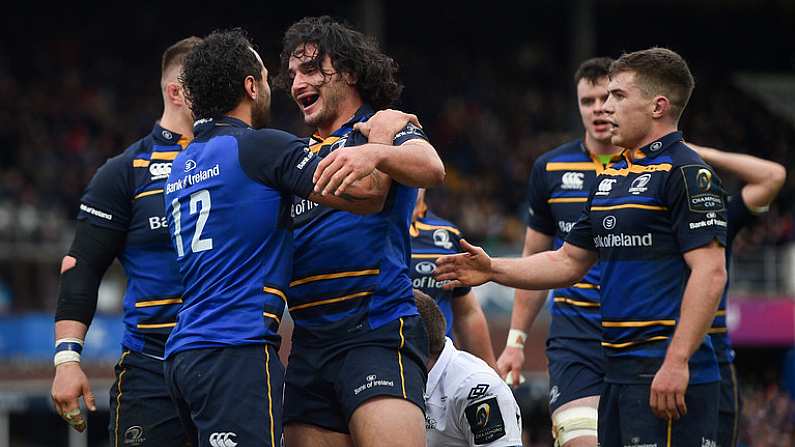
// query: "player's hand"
[[667, 397], [69, 384], [385, 124], [343, 167], [511, 362], [472, 268]]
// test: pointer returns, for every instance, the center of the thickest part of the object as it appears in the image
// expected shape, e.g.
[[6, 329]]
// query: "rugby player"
[[122, 216], [227, 205], [432, 237], [356, 373], [762, 180], [467, 403], [656, 221], [558, 188]]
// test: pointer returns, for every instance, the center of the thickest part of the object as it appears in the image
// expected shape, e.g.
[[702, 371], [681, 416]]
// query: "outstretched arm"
[[763, 178], [547, 270], [416, 163], [526, 306]]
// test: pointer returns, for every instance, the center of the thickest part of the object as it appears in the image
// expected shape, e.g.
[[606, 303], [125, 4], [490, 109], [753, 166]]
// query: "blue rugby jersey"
[[645, 212], [432, 237], [126, 194], [351, 272], [558, 189], [227, 204], [738, 216]]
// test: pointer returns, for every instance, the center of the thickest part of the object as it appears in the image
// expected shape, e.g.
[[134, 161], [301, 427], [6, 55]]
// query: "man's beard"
[[261, 112]]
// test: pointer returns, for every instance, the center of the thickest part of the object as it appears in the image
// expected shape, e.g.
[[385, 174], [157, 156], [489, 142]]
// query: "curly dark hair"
[[351, 52], [214, 70]]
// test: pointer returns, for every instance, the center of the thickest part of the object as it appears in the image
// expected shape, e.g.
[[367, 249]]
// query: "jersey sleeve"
[[738, 216], [697, 205], [278, 159], [487, 412], [581, 233], [539, 215], [107, 200], [410, 132]]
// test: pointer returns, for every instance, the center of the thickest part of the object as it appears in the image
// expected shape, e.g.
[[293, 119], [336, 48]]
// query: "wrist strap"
[[67, 350], [516, 338]]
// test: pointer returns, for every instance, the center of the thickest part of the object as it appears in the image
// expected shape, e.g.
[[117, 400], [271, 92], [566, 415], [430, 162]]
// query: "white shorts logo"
[[223, 439]]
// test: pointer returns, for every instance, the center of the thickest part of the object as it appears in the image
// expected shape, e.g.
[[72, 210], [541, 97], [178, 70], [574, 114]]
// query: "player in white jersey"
[[467, 403]]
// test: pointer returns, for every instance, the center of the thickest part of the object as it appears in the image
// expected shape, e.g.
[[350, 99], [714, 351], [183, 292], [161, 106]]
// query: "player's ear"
[[660, 107], [250, 86], [350, 78], [174, 93]]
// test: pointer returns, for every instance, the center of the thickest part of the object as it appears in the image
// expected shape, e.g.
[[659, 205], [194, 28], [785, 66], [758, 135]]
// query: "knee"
[[575, 427]]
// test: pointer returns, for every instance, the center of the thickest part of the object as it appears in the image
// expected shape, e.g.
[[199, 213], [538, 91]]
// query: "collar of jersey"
[[205, 124], [444, 359], [658, 146], [165, 136], [363, 114]]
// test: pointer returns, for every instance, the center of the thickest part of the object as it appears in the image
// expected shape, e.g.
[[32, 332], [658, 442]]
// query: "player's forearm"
[[70, 329], [750, 169], [545, 270], [473, 332], [699, 303], [527, 305], [413, 164]]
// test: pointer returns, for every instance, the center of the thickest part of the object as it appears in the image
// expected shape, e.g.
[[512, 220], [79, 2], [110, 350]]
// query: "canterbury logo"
[[223, 439]]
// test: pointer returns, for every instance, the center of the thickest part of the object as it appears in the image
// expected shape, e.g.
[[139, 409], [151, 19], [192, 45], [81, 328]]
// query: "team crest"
[[441, 238]]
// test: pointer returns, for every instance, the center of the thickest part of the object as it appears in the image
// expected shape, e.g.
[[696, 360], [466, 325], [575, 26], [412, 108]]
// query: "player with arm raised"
[[356, 373], [227, 203], [762, 180], [122, 216]]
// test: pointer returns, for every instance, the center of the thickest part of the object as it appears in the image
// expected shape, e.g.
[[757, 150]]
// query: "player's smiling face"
[[591, 98], [628, 109], [317, 88]]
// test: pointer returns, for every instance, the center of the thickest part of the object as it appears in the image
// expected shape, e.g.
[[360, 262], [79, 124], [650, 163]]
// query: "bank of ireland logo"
[[609, 222], [425, 267], [572, 180], [639, 184], [190, 165], [167, 135], [441, 238], [605, 186]]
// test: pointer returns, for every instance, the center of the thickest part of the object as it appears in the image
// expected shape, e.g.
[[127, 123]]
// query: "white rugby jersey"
[[467, 404]]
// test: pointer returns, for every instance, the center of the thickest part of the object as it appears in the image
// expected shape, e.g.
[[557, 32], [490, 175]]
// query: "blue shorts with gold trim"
[[325, 384], [228, 396], [141, 410]]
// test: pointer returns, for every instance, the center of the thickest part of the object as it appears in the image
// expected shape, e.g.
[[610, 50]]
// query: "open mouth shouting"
[[602, 125], [308, 100]]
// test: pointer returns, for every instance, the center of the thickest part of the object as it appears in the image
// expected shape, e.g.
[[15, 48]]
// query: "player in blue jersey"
[[431, 237], [227, 204], [122, 216], [558, 189], [356, 373], [656, 222], [762, 180]]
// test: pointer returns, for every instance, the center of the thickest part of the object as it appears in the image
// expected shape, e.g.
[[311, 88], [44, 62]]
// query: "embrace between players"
[[257, 220]]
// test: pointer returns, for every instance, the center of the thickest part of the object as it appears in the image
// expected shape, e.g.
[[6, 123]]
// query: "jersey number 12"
[[199, 201]]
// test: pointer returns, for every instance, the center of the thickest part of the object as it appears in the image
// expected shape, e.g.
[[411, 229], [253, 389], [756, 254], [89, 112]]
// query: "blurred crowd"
[[488, 124]]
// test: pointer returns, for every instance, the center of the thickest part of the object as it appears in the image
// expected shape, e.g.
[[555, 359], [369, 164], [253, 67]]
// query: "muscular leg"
[[574, 423], [388, 422], [305, 435]]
